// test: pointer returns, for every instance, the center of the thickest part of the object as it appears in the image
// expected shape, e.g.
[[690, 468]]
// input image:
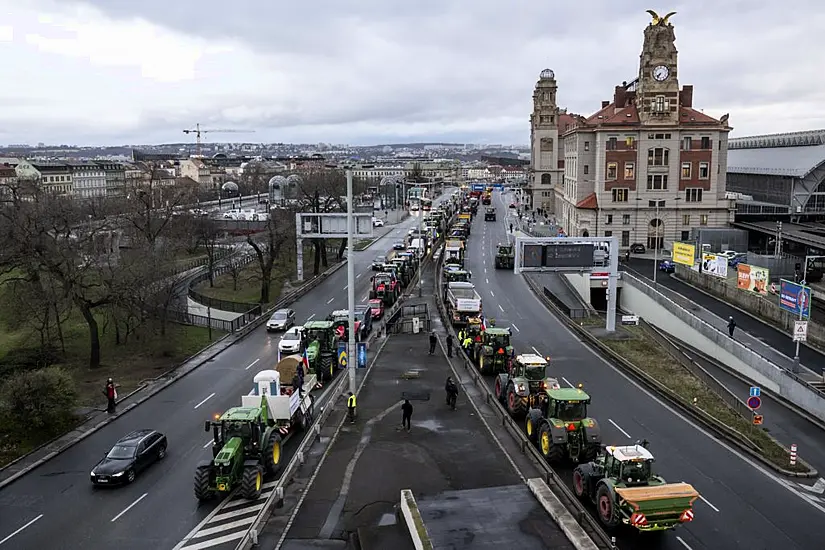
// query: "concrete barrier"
[[560, 515], [415, 523], [660, 311]]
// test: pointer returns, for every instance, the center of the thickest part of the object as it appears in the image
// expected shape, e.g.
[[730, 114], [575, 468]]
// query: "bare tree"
[[235, 268], [210, 237], [253, 179], [268, 245]]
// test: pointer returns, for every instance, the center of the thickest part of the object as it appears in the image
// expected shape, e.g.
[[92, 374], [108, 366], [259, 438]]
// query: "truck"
[[247, 441], [462, 302], [505, 256], [622, 485], [494, 353], [558, 422], [454, 252], [526, 378], [321, 348]]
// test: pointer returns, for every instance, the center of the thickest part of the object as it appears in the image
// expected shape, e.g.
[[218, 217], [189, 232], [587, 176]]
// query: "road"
[[56, 506], [742, 505]]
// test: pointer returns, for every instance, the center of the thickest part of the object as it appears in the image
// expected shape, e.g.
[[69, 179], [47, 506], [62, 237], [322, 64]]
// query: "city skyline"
[[108, 73]]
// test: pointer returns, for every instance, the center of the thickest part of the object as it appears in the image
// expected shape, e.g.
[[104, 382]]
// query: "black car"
[[129, 456], [637, 248]]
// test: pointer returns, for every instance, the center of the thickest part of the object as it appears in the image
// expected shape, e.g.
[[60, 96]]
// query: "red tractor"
[[385, 287]]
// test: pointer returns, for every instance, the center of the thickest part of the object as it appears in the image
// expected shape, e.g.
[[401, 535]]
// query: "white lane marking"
[[252, 364], [226, 526], [19, 530], [715, 509], [330, 300], [364, 299], [501, 308], [240, 512], [493, 295], [485, 270], [208, 443], [205, 400], [488, 282], [566, 381], [310, 317], [515, 327], [345, 287], [683, 543], [114, 519], [627, 435], [216, 541], [358, 275]]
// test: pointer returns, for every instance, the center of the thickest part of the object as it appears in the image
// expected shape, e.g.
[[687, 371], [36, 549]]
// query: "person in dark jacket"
[[406, 414], [433, 342], [731, 326], [449, 345]]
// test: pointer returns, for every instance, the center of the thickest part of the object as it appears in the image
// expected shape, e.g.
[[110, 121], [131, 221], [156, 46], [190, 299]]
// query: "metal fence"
[[402, 320], [223, 305], [186, 318]]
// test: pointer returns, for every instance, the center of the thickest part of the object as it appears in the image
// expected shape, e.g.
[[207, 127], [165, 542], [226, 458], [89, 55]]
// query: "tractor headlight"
[[521, 388]]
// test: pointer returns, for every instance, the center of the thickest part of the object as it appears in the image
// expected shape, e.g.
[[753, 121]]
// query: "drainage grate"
[[423, 395]]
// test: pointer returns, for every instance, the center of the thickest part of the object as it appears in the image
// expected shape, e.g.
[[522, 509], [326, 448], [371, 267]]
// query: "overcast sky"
[[380, 71]]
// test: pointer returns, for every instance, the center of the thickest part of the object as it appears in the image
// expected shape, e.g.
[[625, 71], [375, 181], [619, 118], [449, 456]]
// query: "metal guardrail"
[[216, 303]]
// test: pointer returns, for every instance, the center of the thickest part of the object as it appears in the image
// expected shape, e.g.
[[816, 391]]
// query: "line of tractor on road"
[[618, 480]]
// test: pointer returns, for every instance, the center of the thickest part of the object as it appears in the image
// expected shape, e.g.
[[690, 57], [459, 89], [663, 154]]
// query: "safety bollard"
[[793, 454]]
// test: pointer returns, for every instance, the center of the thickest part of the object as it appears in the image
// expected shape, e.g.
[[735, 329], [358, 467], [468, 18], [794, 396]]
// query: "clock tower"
[[657, 91], [544, 142]]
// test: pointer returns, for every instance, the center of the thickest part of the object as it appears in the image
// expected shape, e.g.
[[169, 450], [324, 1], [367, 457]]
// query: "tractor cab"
[[235, 432], [631, 465], [498, 339], [384, 287], [566, 404], [474, 329], [457, 276], [505, 250], [340, 323], [321, 332], [533, 368]]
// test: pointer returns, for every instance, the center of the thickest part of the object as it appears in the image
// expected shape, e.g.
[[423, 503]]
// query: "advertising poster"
[[684, 254], [752, 278], [795, 298], [714, 265]]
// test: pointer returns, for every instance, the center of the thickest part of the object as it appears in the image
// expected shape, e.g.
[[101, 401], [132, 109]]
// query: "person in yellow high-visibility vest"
[[467, 343], [351, 407]]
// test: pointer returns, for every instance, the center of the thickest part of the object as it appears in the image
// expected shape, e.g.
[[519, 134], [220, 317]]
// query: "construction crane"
[[198, 131]]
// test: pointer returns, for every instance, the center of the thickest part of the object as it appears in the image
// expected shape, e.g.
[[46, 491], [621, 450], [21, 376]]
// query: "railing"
[[216, 303], [223, 325]]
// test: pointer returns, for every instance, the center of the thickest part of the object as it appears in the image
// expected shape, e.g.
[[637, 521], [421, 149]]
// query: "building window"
[[546, 179], [685, 219], [609, 219], [629, 171], [625, 219], [611, 144], [658, 136], [685, 236], [625, 238], [657, 182], [659, 104], [704, 170], [620, 195], [693, 194], [629, 142], [658, 156], [586, 145], [612, 170], [608, 233], [705, 142], [687, 143], [686, 166], [703, 219], [586, 169], [544, 119]]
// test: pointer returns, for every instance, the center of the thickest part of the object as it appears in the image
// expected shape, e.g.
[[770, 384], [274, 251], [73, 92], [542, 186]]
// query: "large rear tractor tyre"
[[326, 369], [606, 507], [203, 490], [515, 406], [499, 391], [552, 453], [579, 483], [531, 429], [252, 482], [272, 454]]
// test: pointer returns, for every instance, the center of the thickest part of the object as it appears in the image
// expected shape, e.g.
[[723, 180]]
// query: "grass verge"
[[646, 355], [363, 244]]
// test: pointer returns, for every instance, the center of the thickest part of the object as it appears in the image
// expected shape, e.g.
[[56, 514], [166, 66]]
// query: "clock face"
[[661, 73]]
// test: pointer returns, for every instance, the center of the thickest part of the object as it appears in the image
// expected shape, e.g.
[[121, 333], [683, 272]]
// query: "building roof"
[[590, 202], [795, 162]]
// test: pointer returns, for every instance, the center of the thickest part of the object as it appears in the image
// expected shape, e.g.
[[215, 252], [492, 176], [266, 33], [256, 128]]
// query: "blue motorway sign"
[[498, 186], [342, 355], [362, 355], [795, 298], [478, 187], [756, 391]]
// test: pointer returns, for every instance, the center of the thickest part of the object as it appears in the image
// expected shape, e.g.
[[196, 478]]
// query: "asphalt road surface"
[[55, 506], [743, 505]]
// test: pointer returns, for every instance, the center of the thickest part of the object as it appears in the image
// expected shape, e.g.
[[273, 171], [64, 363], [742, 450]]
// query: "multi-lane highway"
[[743, 505], [55, 506]]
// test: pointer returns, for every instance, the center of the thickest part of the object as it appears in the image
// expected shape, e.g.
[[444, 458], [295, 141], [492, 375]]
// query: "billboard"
[[684, 254], [752, 278], [795, 298], [714, 265]]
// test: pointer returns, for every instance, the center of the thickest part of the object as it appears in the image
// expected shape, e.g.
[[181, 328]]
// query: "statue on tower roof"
[[660, 21]]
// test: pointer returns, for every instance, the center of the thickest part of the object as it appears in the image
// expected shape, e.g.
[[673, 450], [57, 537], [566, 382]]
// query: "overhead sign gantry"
[[571, 255]]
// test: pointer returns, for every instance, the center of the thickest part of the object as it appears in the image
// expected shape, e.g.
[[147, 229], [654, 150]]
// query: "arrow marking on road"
[[114, 519], [205, 400], [252, 364], [19, 530], [624, 432]]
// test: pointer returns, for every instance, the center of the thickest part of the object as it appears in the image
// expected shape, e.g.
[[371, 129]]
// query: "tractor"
[[494, 353], [622, 485], [395, 271], [322, 347], [505, 257], [385, 288], [525, 378], [558, 422], [245, 447]]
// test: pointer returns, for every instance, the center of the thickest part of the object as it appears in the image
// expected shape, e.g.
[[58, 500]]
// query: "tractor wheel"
[[530, 428], [515, 406], [552, 453], [326, 369], [606, 507], [203, 489], [499, 391], [253, 480], [271, 457], [579, 483], [588, 454]]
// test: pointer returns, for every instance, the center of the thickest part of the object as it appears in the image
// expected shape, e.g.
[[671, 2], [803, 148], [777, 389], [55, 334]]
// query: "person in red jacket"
[[111, 396]]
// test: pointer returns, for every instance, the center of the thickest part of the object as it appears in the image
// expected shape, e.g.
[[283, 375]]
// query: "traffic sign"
[[800, 331], [757, 420], [342, 355], [756, 391], [362, 355], [754, 402]]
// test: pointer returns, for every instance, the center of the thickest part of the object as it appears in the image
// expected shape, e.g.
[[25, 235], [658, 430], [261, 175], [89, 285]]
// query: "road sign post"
[[756, 391]]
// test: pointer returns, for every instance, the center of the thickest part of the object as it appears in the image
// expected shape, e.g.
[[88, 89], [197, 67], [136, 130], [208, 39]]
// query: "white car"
[[377, 222], [729, 254], [291, 341]]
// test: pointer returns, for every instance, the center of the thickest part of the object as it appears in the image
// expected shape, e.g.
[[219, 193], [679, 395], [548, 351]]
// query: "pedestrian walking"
[[433, 342], [299, 373], [351, 408], [731, 326], [110, 391], [449, 345], [406, 414]]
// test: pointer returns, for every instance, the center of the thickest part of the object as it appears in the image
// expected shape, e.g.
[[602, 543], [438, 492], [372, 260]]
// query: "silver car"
[[281, 320]]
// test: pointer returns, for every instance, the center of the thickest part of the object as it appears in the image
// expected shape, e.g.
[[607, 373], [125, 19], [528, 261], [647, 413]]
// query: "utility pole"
[[352, 360], [656, 243]]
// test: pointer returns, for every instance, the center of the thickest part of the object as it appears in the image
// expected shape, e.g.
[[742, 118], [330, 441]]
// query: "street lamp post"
[[656, 241], [351, 351]]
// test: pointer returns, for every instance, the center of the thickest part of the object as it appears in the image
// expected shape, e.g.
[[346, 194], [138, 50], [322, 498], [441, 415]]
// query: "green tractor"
[[321, 349], [622, 485], [505, 257], [246, 447], [494, 353], [558, 422], [526, 377]]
